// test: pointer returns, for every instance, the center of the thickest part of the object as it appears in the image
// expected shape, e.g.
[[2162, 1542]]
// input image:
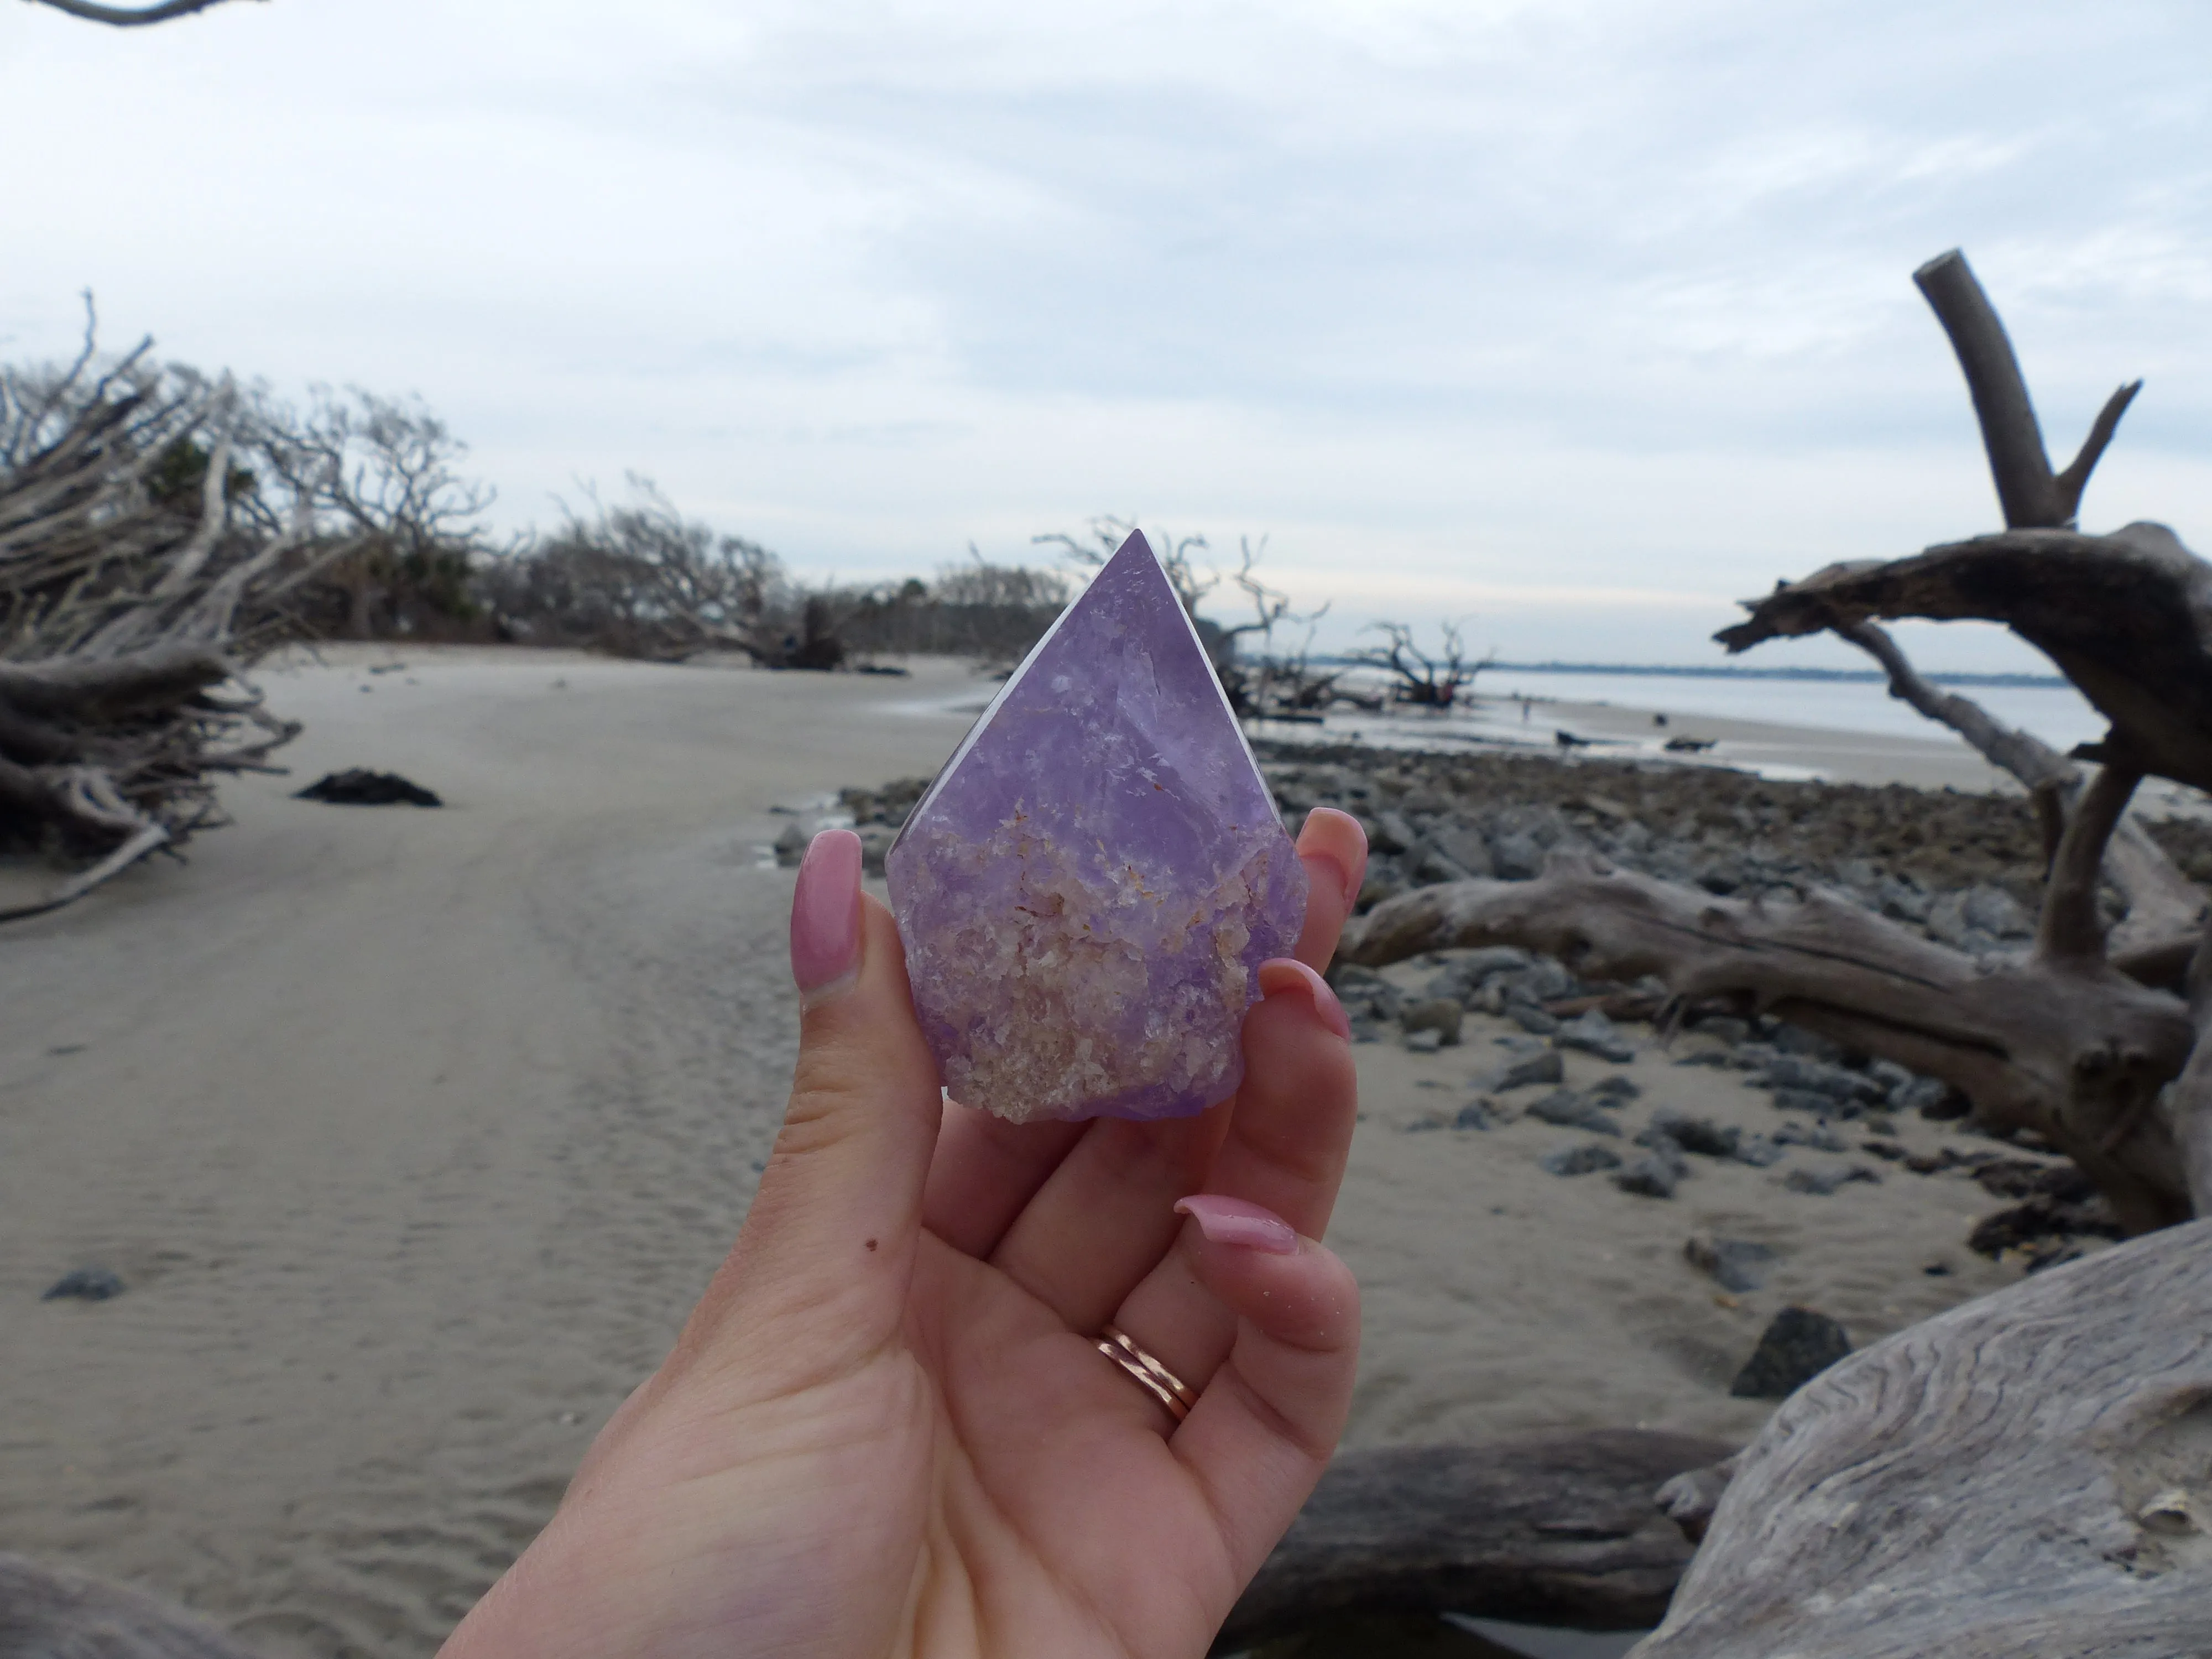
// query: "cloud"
[[1580, 314]]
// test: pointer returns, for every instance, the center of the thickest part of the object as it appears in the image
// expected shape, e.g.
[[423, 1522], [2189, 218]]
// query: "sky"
[[1571, 320]]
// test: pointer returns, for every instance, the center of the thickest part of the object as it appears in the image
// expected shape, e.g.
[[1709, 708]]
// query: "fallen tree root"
[[1552, 1530], [2059, 1043], [2025, 1475]]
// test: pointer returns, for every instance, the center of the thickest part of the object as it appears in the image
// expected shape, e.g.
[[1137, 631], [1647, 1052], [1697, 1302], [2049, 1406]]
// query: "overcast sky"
[[1577, 318]]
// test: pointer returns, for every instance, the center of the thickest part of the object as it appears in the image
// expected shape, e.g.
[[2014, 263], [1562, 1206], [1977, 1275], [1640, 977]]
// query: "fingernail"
[[825, 915], [1351, 879], [1239, 1222], [1281, 974]]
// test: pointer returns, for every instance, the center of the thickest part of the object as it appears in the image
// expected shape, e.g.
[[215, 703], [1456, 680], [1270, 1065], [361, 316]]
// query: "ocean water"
[[2057, 713]]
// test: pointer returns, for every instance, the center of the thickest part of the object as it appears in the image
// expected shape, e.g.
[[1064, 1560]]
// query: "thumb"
[[828, 1245]]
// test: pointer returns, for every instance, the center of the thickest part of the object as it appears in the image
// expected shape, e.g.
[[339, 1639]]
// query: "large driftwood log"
[[1554, 1529], [2060, 1042], [2028, 1474], [52, 1612]]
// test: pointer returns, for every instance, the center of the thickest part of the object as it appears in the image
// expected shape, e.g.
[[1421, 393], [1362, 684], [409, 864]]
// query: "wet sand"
[[414, 1134]]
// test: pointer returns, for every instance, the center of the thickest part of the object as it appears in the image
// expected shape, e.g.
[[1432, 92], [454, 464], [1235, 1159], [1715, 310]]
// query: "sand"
[[414, 1134]]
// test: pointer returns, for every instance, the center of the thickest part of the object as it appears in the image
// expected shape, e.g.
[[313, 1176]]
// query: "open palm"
[[887, 1428]]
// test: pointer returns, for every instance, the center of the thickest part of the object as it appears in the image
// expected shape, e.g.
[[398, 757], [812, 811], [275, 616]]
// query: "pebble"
[[1733, 1264], [1823, 1183], [1594, 1033], [1795, 1348], [85, 1285], [1579, 1160]]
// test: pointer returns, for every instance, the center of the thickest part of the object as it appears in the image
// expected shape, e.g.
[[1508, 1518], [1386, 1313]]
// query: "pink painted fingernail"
[[1239, 1222], [1352, 877], [825, 912], [1287, 974]]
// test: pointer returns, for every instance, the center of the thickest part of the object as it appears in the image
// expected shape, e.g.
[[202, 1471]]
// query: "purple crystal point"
[[1086, 890]]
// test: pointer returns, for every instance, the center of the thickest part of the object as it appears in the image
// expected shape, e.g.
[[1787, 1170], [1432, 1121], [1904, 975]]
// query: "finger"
[[984, 1172], [828, 1243], [1107, 1215], [1288, 1139], [1269, 1417], [1334, 850]]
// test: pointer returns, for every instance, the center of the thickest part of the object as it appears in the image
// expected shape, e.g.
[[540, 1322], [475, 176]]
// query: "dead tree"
[[126, 17], [1418, 679], [135, 578], [2086, 1040]]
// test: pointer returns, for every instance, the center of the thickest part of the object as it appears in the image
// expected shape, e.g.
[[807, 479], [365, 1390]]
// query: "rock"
[[1796, 1347], [1570, 1110], [1579, 1160], [1440, 1016], [85, 1285], [1656, 1175], [1692, 1134], [1997, 913], [1515, 856], [1820, 1138], [359, 786], [1789, 1070], [2042, 1216], [1796, 1039], [1617, 1088], [1542, 1067], [1726, 1027], [791, 846], [1389, 833], [1889, 1076], [1383, 882], [875, 842], [1804, 1100], [1592, 1033], [2022, 1177], [1933, 1098], [1423, 1042], [1463, 845], [1758, 1151], [1531, 1019], [1475, 1114], [1823, 1183], [1733, 1264]]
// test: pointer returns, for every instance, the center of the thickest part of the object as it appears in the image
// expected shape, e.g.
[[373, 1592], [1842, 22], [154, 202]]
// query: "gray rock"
[[1796, 1039], [1824, 1181], [1930, 1096], [1594, 1033], [1383, 882], [1804, 1100], [791, 846], [1995, 911], [1836, 1082], [1758, 1151], [1733, 1264], [1692, 1134], [1900, 899], [1463, 845], [1617, 1088], [1515, 856], [1820, 1138], [1440, 1015], [1425, 1041], [1656, 1175], [1475, 1114], [1795, 1348], [83, 1284], [1579, 1160], [1726, 1027], [1888, 1075], [875, 844], [1571, 1110], [1531, 1019], [1542, 1067], [1431, 868], [1389, 833]]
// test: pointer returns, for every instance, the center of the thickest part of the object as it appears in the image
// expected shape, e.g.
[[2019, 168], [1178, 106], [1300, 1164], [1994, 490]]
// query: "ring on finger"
[[1156, 1379]]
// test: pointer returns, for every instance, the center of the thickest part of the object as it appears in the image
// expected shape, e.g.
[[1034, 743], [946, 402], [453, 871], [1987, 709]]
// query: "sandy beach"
[[413, 1135]]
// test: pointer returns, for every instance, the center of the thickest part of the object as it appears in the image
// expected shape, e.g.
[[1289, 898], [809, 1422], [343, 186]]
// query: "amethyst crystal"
[[1086, 890]]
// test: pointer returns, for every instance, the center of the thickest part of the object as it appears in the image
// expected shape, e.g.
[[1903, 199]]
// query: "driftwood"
[[2082, 1038], [140, 564], [2028, 1474], [52, 1612], [1555, 1529]]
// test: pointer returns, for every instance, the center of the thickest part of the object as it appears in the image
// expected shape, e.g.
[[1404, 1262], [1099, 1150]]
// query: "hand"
[[887, 1428]]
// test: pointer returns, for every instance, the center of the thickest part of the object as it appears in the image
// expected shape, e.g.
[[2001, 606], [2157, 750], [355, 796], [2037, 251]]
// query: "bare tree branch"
[[126, 17], [2014, 440], [2075, 478]]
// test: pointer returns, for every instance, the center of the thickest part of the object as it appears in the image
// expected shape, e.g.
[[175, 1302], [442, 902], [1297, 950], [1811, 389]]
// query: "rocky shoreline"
[[1965, 869]]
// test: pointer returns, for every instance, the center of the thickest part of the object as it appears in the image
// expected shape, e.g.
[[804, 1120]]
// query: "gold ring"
[[1154, 1378]]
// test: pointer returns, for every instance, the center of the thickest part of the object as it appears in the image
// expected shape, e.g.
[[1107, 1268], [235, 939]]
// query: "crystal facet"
[[1086, 890]]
